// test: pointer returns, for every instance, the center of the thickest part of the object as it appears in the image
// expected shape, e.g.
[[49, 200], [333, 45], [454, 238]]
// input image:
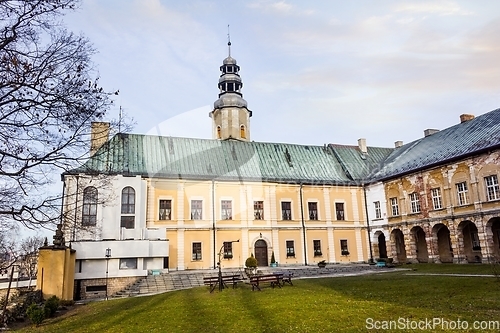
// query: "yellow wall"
[[55, 275], [243, 226]]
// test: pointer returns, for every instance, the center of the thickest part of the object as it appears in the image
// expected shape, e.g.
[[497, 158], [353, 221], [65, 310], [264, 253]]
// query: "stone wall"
[[114, 285]]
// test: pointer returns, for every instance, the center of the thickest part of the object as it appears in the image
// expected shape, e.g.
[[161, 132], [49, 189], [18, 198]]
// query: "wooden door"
[[261, 253]]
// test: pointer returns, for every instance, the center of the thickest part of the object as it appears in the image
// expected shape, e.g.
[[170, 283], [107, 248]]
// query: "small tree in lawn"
[[251, 265]]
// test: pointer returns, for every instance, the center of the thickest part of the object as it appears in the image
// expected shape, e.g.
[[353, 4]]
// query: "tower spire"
[[228, 41]]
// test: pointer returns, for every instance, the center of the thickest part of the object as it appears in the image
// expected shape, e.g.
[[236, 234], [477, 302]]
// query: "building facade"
[[150, 204]]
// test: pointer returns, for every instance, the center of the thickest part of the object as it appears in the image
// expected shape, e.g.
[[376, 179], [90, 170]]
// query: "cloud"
[[278, 7], [433, 7]]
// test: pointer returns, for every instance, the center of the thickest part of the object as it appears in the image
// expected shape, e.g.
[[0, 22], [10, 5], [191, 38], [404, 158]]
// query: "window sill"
[[378, 219], [438, 209]]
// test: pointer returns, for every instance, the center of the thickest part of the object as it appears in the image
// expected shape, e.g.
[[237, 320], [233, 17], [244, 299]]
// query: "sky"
[[313, 72]]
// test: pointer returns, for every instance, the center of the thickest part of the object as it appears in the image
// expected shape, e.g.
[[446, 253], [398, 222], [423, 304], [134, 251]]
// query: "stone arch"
[[379, 244], [493, 238], [398, 246], [442, 244], [468, 241], [418, 241]]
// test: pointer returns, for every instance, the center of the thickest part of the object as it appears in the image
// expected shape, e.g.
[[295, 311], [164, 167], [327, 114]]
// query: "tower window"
[[229, 69], [243, 134], [218, 132], [230, 86]]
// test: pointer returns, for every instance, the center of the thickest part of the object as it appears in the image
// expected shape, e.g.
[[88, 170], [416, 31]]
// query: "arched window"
[[128, 200], [218, 132], [128, 207], [89, 210], [243, 134]]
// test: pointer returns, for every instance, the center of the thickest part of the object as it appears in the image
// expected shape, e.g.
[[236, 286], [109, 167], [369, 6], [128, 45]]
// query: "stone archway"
[[261, 253], [493, 238], [468, 242], [418, 237], [398, 246], [443, 247], [382, 246]]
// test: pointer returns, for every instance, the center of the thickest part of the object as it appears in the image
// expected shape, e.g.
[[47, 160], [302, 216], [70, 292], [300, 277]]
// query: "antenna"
[[228, 40], [120, 121]]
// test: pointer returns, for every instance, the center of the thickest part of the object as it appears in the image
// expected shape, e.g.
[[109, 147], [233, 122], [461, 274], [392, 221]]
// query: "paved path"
[[176, 280]]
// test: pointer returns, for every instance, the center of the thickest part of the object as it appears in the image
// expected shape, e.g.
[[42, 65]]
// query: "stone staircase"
[[155, 284]]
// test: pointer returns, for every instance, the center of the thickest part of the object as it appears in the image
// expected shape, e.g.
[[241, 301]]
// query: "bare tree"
[[49, 95]]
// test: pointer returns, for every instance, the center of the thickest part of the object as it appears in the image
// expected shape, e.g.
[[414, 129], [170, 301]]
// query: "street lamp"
[[220, 282], [107, 255]]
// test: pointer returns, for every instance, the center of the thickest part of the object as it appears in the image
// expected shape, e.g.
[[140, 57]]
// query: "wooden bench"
[[274, 279], [213, 281]]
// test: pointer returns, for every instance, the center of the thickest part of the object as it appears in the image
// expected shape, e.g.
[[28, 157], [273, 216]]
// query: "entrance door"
[[261, 253]]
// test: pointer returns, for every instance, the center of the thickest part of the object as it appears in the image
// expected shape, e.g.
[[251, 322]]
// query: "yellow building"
[[161, 203]]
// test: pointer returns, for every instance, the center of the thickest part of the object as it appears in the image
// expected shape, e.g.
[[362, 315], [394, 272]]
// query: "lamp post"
[[221, 283], [107, 255]]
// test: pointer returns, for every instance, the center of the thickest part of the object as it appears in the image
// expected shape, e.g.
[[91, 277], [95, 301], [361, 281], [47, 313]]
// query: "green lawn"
[[311, 305]]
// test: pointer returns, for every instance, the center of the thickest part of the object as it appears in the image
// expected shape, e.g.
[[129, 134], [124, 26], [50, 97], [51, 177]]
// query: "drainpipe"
[[303, 225], [213, 218], [62, 203], [368, 225], [73, 235]]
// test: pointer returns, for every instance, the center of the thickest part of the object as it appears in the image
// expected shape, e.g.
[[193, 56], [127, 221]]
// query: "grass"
[[338, 304]]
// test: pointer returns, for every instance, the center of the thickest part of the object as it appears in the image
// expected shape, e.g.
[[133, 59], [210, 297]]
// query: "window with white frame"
[[89, 209], [165, 212], [437, 202], [339, 210], [415, 202], [378, 212], [196, 251], [127, 220], [394, 206], [492, 189], [258, 210], [313, 210], [196, 209], [344, 249], [128, 263], [290, 248], [286, 210], [226, 210], [317, 248], [462, 193]]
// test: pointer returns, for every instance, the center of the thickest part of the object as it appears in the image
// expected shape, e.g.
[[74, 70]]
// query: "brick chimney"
[[362, 145], [466, 117], [98, 136]]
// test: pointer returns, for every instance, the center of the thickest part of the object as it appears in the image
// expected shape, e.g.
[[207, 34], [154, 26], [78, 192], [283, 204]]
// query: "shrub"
[[251, 262], [36, 314], [273, 260], [50, 306]]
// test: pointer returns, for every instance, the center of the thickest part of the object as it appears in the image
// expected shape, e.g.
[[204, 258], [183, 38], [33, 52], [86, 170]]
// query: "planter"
[[250, 271], [274, 264]]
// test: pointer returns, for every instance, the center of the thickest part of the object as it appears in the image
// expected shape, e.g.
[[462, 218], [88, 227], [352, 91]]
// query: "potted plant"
[[322, 264], [273, 260], [250, 265]]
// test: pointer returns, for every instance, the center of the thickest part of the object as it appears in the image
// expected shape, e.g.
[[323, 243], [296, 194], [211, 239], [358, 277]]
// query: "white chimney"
[[398, 144], [362, 145], [99, 135], [430, 131]]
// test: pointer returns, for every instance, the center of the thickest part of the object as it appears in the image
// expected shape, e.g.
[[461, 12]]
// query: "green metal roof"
[[200, 159], [358, 165]]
